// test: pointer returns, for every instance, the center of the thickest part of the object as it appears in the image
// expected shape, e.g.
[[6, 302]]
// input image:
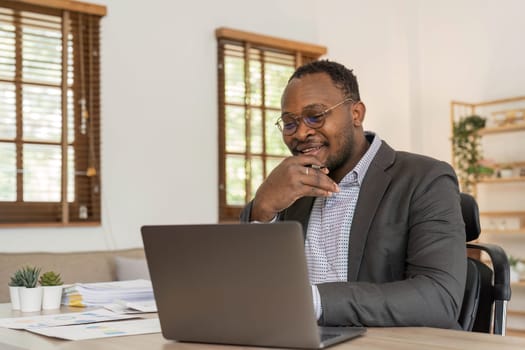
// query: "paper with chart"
[[101, 330], [63, 319]]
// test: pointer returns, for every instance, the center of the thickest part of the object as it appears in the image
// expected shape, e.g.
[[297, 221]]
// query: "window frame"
[[21, 213], [302, 52]]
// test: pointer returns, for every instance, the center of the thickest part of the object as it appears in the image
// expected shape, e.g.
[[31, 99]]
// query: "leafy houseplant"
[[467, 151], [52, 290]]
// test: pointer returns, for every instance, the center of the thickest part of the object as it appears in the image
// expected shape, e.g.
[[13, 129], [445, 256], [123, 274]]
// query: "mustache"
[[299, 147]]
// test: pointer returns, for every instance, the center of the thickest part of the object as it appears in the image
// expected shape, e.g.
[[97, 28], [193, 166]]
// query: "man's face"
[[333, 143]]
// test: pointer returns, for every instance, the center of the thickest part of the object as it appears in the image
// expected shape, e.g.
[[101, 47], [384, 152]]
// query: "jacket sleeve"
[[430, 290], [246, 212]]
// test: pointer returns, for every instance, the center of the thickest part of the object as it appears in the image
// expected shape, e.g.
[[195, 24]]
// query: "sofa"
[[88, 266]]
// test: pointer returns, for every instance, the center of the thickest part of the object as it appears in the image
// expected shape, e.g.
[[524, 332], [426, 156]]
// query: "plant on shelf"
[[50, 278], [29, 276], [467, 151]]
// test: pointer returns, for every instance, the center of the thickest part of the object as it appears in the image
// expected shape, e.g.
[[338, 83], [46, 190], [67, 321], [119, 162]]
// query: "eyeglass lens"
[[312, 118]]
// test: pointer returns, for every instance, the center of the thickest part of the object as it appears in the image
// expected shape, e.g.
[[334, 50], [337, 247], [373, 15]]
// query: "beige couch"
[[97, 266]]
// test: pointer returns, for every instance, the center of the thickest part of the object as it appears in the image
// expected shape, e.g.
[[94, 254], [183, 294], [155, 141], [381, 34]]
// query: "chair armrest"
[[500, 266]]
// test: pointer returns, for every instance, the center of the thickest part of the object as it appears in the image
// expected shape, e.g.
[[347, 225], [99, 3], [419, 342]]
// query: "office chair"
[[487, 289]]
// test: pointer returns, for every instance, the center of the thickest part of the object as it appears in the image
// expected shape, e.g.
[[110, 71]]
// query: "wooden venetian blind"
[[253, 70], [49, 113]]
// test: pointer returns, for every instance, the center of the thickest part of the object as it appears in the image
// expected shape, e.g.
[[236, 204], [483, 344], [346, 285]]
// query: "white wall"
[[159, 91], [472, 51], [373, 37]]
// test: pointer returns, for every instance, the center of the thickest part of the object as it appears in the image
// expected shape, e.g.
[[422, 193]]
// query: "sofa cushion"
[[131, 269], [91, 266]]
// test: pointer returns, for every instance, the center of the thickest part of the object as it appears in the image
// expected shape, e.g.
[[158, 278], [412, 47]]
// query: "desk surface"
[[407, 338]]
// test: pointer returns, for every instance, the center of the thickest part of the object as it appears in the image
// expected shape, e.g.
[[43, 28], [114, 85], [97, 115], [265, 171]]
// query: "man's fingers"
[[316, 179], [316, 192]]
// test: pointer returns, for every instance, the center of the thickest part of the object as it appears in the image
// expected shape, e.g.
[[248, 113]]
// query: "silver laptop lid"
[[232, 284]]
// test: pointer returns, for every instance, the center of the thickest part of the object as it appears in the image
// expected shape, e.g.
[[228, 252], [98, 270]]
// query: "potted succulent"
[[30, 293], [467, 151], [15, 283], [52, 290]]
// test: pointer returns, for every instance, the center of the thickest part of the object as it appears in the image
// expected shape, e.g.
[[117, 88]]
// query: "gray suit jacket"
[[407, 252]]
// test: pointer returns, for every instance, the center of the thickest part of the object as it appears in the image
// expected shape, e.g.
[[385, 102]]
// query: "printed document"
[[101, 330]]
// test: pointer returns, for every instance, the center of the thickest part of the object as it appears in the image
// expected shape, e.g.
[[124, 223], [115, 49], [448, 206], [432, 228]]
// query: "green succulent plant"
[[50, 278], [16, 279], [29, 276]]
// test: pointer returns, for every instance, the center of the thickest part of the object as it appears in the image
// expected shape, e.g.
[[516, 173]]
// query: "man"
[[385, 239]]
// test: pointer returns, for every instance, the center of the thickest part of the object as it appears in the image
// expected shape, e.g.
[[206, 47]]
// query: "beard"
[[344, 152], [341, 147]]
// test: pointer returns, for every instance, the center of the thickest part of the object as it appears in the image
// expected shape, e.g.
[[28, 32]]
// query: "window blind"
[[49, 115], [252, 72]]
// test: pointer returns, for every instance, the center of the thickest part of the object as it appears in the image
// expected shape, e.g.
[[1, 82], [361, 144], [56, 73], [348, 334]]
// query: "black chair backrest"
[[470, 211]]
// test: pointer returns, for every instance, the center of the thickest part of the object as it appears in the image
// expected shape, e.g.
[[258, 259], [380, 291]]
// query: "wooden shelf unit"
[[504, 214], [516, 313], [503, 116], [515, 332], [517, 213], [501, 179], [503, 128], [503, 232]]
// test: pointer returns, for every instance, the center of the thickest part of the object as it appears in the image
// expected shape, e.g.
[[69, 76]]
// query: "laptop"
[[244, 284]]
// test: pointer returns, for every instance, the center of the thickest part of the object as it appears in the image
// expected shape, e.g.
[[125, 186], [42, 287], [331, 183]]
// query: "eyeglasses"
[[312, 118]]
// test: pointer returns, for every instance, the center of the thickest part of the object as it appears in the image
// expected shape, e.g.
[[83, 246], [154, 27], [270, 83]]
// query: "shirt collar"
[[359, 171]]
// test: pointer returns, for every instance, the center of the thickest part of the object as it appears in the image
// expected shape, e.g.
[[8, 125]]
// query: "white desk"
[[409, 338]]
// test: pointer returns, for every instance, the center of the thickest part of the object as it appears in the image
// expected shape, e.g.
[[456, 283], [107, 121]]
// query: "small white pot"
[[51, 297], [30, 299], [514, 275], [520, 267], [15, 297], [506, 173]]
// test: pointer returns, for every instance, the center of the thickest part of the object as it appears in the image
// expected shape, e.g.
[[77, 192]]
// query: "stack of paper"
[[99, 294]]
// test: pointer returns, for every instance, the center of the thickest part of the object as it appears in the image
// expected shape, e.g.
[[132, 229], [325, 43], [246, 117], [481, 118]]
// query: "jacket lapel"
[[374, 185]]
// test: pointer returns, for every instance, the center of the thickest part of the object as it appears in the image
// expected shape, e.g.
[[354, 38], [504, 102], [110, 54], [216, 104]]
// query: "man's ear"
[[358, 113]]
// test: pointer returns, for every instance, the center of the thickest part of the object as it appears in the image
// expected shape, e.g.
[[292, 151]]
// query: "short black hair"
[[342, 77]]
